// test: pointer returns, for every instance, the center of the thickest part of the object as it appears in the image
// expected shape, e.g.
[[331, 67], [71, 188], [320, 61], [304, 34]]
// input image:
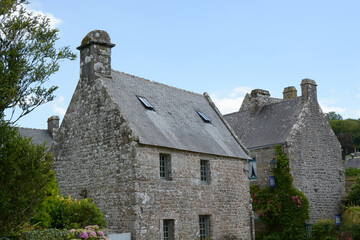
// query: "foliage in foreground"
[[28, 58], [65, 213], [283, 209], [349, 229], [26, 170]]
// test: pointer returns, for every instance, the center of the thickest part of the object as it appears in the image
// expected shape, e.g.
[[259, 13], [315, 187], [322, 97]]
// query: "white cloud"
[[59, 106], [239, 90], [327, 108], [54, 21], [231, 102]]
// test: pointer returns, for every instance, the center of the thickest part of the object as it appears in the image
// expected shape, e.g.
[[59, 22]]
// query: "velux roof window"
[[146, 103], [204, 117]]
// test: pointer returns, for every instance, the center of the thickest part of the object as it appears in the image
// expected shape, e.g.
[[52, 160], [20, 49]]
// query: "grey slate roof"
[[39, 136], [354, 162], [270, 126], [175, 122]]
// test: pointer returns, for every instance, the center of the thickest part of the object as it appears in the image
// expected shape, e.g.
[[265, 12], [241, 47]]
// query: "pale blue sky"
[[225, 48]]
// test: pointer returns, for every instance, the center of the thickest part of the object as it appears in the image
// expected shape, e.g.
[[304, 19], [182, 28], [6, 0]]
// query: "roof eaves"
[[267, 146]]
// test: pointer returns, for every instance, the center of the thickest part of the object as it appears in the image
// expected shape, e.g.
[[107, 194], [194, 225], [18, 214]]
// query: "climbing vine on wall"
[[283, 209]]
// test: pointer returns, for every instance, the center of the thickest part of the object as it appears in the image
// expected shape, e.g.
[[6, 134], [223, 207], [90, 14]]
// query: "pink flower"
[[92, 234], [254, 194], [72, 231], [100, 233], [298, 205], [84, 235]]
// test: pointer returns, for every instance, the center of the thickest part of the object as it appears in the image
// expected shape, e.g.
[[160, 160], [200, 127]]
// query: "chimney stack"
[[53, 123], [259, 98], [95, 55], [308, 90], [289, 93]]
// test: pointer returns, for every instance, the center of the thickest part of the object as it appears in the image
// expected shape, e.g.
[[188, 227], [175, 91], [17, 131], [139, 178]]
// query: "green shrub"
[[65, 213], [324, 229], [351, 221], [354, 195], [352, 172]]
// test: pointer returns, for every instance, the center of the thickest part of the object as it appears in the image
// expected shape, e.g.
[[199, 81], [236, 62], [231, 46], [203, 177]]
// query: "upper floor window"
[[252, 168], [204, 171], [165, 166]]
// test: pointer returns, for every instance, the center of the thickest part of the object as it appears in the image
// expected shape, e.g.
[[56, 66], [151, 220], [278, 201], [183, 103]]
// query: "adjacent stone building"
[[298, 125], [160, 162]]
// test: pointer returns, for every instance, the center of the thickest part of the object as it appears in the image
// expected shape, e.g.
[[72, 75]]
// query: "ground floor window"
[[204, 227], [168, 229]]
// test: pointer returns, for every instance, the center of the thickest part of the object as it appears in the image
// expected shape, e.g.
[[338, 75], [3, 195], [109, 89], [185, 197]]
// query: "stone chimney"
[[259, 98], [289, 93], [95, 55], [53, 123], [308, 90]]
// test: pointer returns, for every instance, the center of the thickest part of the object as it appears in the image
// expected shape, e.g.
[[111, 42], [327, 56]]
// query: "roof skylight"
[[146, 103], [204, 117]]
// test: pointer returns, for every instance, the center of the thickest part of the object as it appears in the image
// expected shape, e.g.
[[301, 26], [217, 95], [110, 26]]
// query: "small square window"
[[204, 171], [165, 166], [204, 227], [168, 229], [252, 168]]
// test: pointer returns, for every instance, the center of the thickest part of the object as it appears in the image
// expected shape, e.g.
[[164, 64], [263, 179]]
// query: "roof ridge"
[[162, 84], [32, 128], [269, 104]]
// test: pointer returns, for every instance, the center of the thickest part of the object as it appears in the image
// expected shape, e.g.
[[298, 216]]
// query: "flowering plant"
[[283, 209], [90, 232]]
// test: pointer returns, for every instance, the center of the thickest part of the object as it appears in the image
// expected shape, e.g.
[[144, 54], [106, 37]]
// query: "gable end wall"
[[94, 151], [316, 164]]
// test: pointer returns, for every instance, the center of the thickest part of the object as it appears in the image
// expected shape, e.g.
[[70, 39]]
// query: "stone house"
[[298, 125], [160, 162]]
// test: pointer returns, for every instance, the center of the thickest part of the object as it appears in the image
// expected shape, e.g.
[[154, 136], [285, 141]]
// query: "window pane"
[[168, 229], [204, 171], [204, 226], [165, 166]]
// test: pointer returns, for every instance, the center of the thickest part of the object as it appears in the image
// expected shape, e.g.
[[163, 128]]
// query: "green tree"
[[348, 126], [28, 58], [26, 170], [333, 116], [283, 209]]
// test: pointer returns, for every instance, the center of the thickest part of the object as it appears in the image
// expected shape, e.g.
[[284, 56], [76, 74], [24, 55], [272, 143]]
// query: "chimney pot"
[[308, 90], [289, 93], [95, 54]]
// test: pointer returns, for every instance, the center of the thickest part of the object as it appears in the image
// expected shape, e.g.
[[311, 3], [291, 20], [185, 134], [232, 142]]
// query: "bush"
[[352, 172], [354, 195], [324, 229], [351, 221], [65, 213]]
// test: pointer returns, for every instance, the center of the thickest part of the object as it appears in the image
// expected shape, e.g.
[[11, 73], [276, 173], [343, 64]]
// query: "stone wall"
[[315, 160], [263, 157], [184, 197], [94, 151]]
